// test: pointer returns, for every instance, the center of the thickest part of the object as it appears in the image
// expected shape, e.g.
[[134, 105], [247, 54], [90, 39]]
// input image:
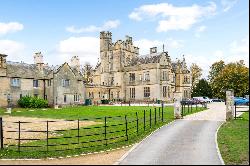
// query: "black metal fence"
[[236, 110], [187, 108], [20, 136]]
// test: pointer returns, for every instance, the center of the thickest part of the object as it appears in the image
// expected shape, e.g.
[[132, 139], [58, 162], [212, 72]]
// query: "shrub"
[[32, 102], [105, 101]]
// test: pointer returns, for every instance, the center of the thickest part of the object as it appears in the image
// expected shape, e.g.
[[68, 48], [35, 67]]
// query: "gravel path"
[[106, 158], [36, 124]]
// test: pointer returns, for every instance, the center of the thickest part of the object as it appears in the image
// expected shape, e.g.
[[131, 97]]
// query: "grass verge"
[[117, 133], [233, 141]]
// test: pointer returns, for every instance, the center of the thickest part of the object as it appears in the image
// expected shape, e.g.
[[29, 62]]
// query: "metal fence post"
[[162, 115], [105, 130], [234, 110], [196, 106], [155, 116], [144, 121], [47, 132], [181, 110], [78, 131], [19, 136], [159, 111], [1, 132], [126, 123], [150, 118], [137, 127]]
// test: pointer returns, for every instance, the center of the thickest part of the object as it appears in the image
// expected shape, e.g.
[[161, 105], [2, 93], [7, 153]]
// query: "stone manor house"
[[121, 75]]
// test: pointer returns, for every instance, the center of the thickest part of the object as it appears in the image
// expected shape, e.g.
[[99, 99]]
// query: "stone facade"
[[123, 74], [60, 85]]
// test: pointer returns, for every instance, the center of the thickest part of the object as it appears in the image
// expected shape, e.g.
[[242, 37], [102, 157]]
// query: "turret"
[[105, 40], [153, 50]]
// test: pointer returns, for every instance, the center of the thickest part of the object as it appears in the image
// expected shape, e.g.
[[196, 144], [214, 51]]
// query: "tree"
[[215, 69], [233, 76], [202, 88], [196, 73], [87, 71]]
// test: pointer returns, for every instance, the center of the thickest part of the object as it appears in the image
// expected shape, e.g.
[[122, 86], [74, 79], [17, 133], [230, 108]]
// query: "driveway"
[[188, 141]]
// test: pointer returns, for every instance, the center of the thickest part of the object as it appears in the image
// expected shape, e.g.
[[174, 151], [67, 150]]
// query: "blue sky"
[[204, 31]]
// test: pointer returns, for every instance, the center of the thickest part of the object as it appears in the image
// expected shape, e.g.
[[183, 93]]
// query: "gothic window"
[[146, 91], [164, 75], [140, 77], [164, 91], [118, 95], [131, 77], [65, 98], [146, 76], [132, 93]]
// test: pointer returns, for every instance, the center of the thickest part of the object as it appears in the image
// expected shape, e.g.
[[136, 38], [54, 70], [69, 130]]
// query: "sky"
[[203, 31]]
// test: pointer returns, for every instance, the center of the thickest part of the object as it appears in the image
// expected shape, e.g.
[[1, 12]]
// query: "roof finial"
[[163, 48]]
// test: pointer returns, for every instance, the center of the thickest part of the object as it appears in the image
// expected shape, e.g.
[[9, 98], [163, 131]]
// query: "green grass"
[[116, 130], [233, 140]]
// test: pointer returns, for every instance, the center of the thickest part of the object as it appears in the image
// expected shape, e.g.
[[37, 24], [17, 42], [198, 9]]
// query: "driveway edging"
[[135, 146], [217, 147]]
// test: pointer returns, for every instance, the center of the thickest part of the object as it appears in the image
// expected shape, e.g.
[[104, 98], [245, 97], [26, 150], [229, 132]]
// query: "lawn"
[[233, 140], [122, 127]]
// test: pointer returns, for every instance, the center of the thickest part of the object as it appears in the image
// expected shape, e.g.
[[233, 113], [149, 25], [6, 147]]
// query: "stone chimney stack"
[[3, 65], [38, 60], [153, 50], [75, 63]]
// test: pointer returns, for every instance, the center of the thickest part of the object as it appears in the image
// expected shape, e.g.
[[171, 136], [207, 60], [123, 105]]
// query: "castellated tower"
[[105, 53], [105, 40], [38, 60], [75, 63]]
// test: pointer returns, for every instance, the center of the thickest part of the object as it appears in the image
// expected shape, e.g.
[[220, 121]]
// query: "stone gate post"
[[229, 104], [177, 105]]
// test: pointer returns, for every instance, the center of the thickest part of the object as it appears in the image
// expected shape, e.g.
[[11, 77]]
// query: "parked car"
[[218, 100], [241, 101], [186, 101], [197, 101], [204, 99]]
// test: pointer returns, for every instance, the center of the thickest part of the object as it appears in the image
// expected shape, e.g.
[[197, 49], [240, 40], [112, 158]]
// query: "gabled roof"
[[149, 58], [24, 70]]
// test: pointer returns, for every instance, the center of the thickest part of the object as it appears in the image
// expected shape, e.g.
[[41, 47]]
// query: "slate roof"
[[149, 58], [24, 70]]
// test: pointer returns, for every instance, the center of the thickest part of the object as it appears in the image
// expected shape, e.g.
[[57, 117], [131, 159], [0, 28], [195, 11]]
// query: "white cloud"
[[145, 44], [219, 54], [111, 24], [228, 4], [171, 17], [11, 48], [239, 50], [199, 30], [86, 48], [10, 27]]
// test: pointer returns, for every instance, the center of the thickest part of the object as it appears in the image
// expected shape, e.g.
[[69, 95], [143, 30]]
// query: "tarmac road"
[[184, 142]]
